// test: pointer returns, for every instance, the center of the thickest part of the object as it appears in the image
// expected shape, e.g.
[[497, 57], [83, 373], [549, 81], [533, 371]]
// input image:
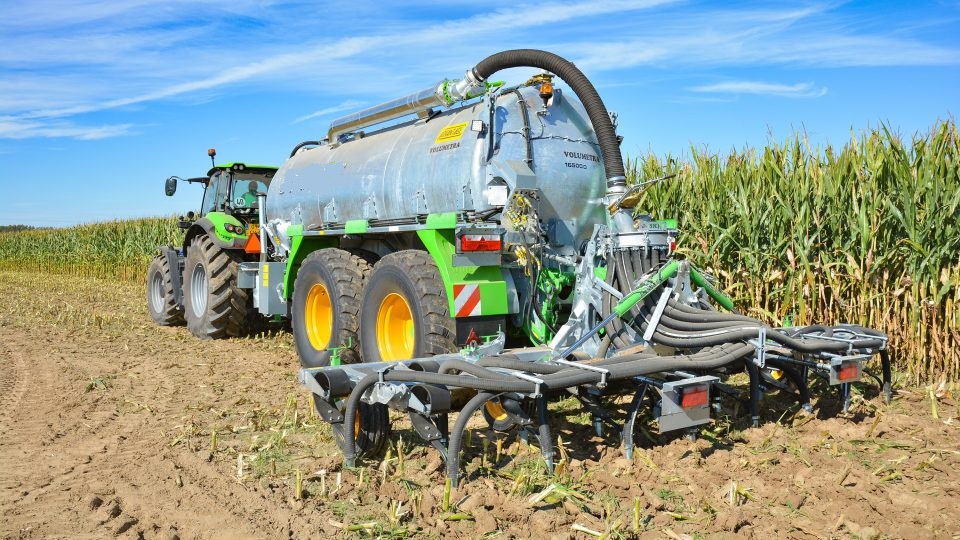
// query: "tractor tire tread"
[[227, 304], [172, 313]]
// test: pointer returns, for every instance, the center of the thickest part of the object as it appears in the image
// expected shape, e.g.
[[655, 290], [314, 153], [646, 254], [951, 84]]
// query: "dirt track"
[[110, 426]]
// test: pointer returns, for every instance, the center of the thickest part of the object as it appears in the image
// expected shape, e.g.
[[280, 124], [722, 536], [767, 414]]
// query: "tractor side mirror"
[[171, 186]]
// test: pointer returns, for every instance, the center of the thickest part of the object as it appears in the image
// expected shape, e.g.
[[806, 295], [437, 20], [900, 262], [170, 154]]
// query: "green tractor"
[[197, 283]]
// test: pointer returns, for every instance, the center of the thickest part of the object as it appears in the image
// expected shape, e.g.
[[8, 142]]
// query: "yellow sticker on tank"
[[453, 132]]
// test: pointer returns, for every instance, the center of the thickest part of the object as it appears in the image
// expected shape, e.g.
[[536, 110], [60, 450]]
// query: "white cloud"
[[67, 58], [13, 128], [799, 90], [349, 105], [805, 37]]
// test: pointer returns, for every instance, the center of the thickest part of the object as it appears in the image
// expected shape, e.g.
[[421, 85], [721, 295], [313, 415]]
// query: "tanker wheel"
[[370, 429], [214, 307], [161, 301], [326, 306], [404, 311]]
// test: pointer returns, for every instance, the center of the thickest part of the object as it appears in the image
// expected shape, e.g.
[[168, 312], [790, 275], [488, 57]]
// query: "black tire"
[[337, 277], [161, 303], [214, 307], [413, 276], [372, 429]]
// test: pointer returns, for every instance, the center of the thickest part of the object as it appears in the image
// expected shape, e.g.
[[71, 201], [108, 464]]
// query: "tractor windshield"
[[246, 189]]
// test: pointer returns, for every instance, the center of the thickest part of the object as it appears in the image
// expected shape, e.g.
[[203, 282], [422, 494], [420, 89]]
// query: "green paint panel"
[[300, 247], [356, 226], [442, 221], [667, 223], [219, 220], [440, 243]]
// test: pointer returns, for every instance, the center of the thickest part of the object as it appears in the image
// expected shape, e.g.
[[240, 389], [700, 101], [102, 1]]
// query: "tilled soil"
[[111, 426]]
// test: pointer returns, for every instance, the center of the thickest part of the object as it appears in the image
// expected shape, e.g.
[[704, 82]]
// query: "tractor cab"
[[234, 189]]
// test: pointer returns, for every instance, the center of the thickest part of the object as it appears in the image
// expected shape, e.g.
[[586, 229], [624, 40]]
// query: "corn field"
[[868, 234], [111, 249]]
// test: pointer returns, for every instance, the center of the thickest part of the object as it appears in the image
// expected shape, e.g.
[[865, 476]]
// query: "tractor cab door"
[[212, 201]]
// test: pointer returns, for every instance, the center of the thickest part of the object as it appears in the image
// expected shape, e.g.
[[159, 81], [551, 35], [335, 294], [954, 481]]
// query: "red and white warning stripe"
[[466, 300]]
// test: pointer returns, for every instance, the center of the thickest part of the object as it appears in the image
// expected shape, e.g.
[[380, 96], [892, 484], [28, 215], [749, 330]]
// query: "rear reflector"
[[695, 396], [479, 242], [253, 244], [849, 371]]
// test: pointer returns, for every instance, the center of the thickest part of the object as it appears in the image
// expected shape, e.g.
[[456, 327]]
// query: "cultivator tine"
[[628, 425], [432, 429]]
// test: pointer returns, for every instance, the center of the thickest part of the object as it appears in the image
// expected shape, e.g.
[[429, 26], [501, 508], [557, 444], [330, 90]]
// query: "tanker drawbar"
[[475, 246]]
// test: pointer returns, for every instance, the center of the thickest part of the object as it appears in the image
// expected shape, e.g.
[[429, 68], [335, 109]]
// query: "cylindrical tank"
[[450, 162]]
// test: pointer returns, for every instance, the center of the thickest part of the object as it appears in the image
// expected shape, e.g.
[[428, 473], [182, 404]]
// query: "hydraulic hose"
[[581, 86], [692, 314], [456, 435], [301, 145], [470, 368], [694, 338]]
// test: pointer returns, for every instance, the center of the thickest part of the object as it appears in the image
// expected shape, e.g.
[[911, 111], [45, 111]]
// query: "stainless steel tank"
[[463, 159]]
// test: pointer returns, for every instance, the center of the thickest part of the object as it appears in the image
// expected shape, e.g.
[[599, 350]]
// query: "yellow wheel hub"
[[395, 328], [495, 410], [318, 317]]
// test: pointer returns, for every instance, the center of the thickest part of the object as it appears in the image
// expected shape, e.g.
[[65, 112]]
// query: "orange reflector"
[[849, 371], [253, 244], [480, 242], [694, 396]]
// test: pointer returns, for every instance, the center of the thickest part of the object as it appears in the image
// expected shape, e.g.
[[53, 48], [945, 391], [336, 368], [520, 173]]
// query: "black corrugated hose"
[[581, 86]]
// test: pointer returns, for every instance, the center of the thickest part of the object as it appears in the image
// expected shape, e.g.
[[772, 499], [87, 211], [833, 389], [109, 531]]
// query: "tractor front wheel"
[[214, 306]]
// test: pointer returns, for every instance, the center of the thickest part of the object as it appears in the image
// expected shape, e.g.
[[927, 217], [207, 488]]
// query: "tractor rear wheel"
[[326, 305], [161, 298], [214, 306], [404, 311]]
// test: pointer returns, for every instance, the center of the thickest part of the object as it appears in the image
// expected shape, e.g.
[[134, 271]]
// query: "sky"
[[100, 100]]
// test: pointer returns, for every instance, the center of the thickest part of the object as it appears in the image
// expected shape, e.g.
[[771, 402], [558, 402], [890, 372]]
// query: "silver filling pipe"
[[445, 94]]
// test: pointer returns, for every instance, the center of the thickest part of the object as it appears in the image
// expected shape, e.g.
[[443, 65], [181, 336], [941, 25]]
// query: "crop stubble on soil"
[[110, 426]]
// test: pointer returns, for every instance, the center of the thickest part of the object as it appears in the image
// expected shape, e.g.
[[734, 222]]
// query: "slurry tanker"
[[476, 246]]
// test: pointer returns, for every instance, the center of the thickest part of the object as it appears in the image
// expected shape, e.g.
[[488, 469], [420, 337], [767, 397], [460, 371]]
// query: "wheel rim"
[[495, 410], [156, 292], [198, 290], [395, 328], [318, 317]]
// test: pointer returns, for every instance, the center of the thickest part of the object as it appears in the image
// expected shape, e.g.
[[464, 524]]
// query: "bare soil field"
[[113, 427]]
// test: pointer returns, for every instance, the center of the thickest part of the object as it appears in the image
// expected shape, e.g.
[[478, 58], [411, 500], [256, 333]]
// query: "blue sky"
[[102, 100]]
